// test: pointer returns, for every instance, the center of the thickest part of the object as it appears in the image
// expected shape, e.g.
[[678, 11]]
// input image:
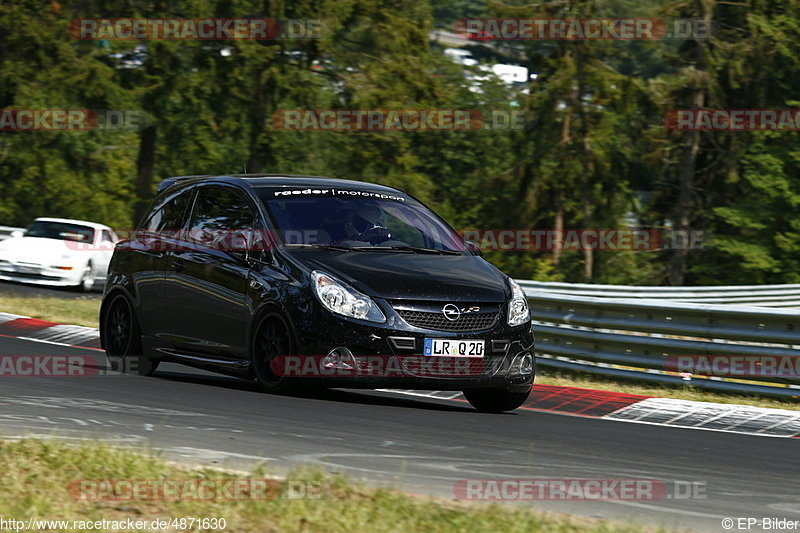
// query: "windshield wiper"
[[323, 247], [411, 249], [406, 249]]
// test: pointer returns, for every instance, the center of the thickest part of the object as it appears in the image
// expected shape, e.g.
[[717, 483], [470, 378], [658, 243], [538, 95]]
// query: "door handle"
[[178, 265], [255, 285]]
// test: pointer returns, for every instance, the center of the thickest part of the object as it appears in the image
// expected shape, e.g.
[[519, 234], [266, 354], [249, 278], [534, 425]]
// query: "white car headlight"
[[341, 299], [518, 310]]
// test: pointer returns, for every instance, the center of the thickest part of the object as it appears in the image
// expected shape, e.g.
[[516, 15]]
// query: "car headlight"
[[518, 310], [341, 299]]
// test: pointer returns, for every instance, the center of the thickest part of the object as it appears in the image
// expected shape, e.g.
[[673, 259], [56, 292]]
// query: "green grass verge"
[[37, 474], [80, 311], [85, 311]]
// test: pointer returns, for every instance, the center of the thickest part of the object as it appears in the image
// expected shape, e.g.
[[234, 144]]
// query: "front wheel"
[[495, 400], [272, 339], [86, 283], [122, 339]]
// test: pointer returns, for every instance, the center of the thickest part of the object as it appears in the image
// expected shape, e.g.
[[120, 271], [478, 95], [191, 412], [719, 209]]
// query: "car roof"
[[93, 225], [281, 180]]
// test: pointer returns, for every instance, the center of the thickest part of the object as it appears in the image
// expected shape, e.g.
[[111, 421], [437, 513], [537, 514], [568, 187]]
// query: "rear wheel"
[[272, 339], [495, 400], [123, 339]]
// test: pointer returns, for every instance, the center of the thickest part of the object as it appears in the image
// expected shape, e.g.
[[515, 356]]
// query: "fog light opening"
[[340, 358], [526, 364]]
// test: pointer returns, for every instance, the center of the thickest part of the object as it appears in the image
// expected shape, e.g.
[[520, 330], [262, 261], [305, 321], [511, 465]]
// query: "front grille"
[[29, 275], [437, 321]]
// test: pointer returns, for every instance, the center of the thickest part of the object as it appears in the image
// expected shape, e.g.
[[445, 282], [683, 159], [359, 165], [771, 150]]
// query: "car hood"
[[405, 276], [46, 252]]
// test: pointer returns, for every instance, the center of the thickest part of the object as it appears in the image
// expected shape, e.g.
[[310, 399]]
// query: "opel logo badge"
[[451, 312]]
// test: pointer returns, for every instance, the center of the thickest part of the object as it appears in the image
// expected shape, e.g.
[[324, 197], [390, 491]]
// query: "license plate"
[[454, 348], [22, 269]]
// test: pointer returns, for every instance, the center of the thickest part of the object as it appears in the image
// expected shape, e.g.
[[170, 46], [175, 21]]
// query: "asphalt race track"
[[415, 444]]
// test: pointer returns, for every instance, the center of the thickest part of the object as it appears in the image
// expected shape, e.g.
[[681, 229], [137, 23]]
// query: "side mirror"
[[16, 234], [246, 244], [264, 256], [235, 243], [260, 245], [473, 248]]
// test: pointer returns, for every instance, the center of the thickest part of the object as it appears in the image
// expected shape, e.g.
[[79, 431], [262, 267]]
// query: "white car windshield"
[[62, 231]]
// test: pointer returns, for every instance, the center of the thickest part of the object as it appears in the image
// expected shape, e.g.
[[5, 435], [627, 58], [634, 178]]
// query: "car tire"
[[122, 338], [495, 400], [273, 338], [86, 284]]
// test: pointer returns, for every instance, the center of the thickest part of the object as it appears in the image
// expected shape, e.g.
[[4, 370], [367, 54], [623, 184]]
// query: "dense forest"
[[596, 152]]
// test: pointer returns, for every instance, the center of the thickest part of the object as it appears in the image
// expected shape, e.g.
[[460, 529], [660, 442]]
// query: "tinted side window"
[[154, 221], [175, 211], [170, 215], [221, 209]]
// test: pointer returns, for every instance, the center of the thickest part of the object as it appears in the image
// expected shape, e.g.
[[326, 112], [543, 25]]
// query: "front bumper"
[[50, 277], [396, 342]]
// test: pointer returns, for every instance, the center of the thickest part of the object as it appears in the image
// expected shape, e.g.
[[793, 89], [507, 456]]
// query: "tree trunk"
[[145, 167], [558, 226], [680, 257], [258, 119], [587, 168], [688, 165]]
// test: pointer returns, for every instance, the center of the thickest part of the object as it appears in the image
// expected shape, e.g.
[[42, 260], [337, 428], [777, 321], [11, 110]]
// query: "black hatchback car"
[[301, 281]]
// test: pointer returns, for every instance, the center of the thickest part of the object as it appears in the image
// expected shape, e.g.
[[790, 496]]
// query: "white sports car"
[[58, 252]]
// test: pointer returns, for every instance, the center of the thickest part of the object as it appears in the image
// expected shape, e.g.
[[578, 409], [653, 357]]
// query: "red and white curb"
[[636, 408], [712, 416], [574, 401], [51, 332]]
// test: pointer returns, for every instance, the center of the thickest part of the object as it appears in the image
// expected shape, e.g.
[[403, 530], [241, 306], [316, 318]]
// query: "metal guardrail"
[[633, 337], [5, 231], [758, 295]]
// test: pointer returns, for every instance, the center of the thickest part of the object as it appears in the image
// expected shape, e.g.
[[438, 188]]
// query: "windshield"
[[356, 219], [62, 231]]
